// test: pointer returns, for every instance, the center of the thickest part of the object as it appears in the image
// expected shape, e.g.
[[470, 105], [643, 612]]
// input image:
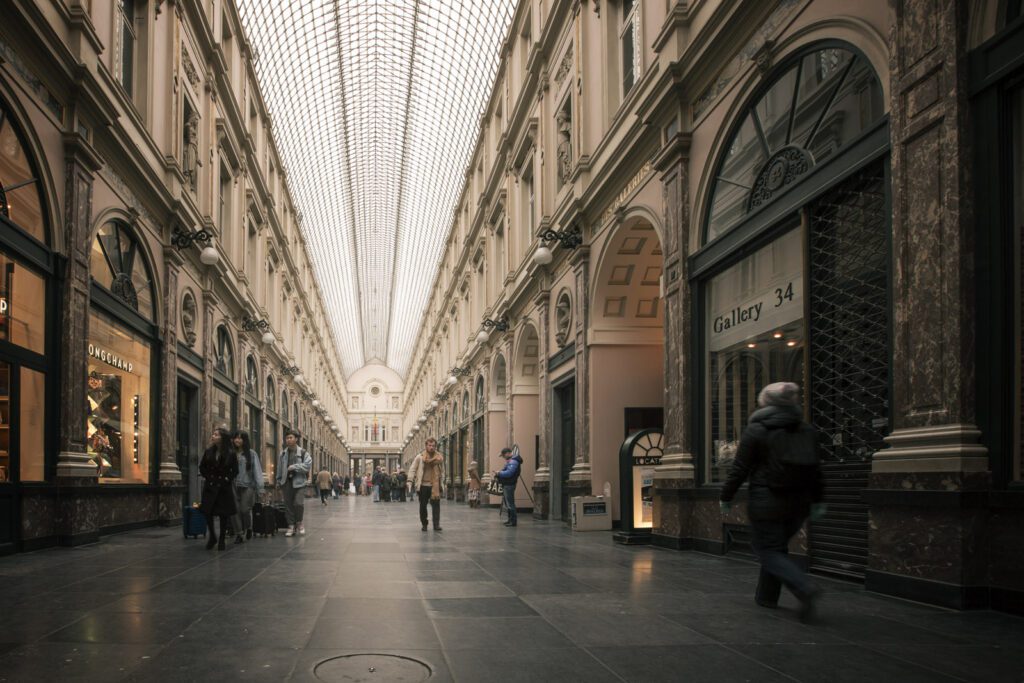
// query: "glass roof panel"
[[375, 107]]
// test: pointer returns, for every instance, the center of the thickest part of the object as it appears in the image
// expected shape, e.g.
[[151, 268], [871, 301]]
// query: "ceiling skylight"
[[375, 107]]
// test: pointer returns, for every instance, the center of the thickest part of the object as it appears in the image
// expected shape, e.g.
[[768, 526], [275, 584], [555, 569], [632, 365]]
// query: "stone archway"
[[626, 344]]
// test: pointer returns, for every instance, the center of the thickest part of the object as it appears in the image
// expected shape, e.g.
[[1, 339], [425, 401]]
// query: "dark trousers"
[[771, 544], [435, 507], [323, 495], [509, 494], [223, 527], [401, 494]]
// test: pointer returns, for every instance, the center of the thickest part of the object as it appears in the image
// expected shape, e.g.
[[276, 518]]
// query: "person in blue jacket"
[[509, 477]]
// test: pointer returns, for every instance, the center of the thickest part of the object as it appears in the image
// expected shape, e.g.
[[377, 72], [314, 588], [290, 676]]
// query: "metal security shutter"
[[849, 358]]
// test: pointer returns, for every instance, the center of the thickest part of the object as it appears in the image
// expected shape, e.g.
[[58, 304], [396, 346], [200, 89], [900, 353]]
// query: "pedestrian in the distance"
[[474, 486], [335, 485], [293, 467], [378, 478], [248, 486], [779, 455], [427, 474], [509, 477], [219, 467], [347, 483], [323, 484], [403, 480]]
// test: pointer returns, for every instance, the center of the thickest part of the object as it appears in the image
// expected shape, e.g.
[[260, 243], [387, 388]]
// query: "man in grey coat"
[[293, 467]]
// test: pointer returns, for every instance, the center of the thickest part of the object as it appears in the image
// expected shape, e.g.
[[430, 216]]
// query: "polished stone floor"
[[475, 602]]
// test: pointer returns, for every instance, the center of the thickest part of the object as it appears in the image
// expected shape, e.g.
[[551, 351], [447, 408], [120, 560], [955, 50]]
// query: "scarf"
[[434, 462]]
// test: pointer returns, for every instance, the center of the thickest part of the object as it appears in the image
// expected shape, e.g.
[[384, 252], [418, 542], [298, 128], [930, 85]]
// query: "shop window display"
[[755, 336], [118, 391], [22, 306]]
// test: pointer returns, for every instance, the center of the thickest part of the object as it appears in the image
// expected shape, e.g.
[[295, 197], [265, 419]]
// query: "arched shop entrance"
[[792, 282], [27, 318], [627, 341]]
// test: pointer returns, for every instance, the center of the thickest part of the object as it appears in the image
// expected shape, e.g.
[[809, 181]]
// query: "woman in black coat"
[[219, 467]]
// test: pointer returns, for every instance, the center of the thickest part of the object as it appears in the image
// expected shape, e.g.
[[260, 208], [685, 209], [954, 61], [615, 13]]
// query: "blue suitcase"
[[194, 522]]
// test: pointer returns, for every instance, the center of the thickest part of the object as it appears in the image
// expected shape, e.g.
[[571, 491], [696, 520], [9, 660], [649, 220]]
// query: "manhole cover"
[[372, 667]]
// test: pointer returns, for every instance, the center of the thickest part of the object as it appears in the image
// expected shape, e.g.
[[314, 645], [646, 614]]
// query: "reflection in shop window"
[[755, 336], [22, 306], [118, 401]]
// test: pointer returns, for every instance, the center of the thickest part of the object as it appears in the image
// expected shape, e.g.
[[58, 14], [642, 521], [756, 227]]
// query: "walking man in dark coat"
[[779, 455]]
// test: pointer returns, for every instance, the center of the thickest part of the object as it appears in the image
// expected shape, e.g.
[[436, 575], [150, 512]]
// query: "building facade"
[[672, 204], [156, 283], [374, 437]]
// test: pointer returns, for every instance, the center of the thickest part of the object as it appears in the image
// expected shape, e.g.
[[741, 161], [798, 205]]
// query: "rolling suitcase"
[[194, 522], [263, 522], [280, 518]]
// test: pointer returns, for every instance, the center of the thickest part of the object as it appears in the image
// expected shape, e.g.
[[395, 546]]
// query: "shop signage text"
[[640, 460], [752, 313], [624, 193], [110, 359], [3, 306]]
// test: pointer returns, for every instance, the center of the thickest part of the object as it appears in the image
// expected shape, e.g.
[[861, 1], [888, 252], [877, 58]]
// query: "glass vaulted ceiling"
[[375, 107]]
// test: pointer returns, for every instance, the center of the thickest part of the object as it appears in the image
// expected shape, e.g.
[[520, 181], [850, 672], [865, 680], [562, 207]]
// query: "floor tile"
[[684, 663], [523, 634], [124, 627]]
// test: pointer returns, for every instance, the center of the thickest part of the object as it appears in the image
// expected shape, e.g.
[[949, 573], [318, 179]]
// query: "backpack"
[[793, 458]]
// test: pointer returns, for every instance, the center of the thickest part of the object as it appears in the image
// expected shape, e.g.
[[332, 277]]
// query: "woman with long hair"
[[248, 485], [219, 467]]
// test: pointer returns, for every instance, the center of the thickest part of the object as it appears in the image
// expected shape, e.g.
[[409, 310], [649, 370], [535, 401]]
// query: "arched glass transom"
[[21, 197], [223, 353], [252, 377], [116, 263], [481, 400], [270, 393], [811, 109]]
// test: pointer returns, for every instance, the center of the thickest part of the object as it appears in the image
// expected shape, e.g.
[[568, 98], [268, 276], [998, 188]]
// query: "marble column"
[[169, 478], [934, 445], [78, 515], [542, 479], [580, 478], [675, 476], [209, 352]]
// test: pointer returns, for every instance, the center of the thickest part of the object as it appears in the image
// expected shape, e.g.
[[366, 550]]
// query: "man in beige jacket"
[[323, 482], [427, 475]]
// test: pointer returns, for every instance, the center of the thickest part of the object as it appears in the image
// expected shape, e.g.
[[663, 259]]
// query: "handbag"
[[495, 488]]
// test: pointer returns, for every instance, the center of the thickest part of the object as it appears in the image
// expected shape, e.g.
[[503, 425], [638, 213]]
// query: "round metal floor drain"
[[372, 667]]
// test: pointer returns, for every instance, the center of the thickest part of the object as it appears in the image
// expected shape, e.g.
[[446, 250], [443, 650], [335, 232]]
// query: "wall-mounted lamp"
[[183, 240], [570, 238], [499, 325], [434, 404], [293, 372], [251, 325], [455, 373]]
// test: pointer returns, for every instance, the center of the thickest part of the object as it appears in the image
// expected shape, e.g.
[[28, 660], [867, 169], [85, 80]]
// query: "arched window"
[[284, 406], [252, 377], [223, 353], [271, 392], [117, 264], [465, 405], [455, 414], [21, 197], [823, 101], [296, 415], [481, 399]]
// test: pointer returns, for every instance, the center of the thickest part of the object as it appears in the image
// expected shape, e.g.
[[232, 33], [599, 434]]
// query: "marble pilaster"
[[580, 478], [77, 511], [169, 478], [935, 445], [542, 479], [675, 476]]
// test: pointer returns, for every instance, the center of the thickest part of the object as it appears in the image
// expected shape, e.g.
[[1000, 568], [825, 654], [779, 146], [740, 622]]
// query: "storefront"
[[793, 280], [27, 312]]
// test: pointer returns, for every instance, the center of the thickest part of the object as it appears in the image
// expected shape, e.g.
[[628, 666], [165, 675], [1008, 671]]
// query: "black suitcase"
[[194, 522], [263, 522], [280, 518]]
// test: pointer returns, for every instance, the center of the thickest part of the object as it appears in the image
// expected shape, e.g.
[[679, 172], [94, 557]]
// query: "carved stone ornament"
[[563, 318], [564, 66], [190, 157], [188, 318], [784, 167], [190, 70]]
